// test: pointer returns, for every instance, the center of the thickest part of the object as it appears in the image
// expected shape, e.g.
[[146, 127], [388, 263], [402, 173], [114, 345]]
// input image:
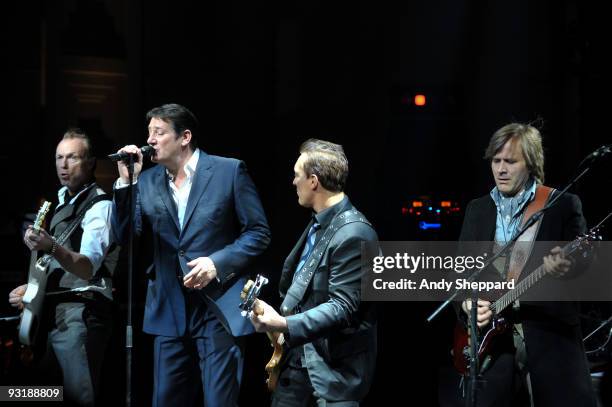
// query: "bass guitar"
[[250, 302]]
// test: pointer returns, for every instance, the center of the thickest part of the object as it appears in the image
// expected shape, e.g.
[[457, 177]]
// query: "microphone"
[[595, 155], [146, 151], [601, 151]]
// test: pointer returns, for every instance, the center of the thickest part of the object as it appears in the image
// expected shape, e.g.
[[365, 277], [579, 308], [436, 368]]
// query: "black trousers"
[[295, 389]]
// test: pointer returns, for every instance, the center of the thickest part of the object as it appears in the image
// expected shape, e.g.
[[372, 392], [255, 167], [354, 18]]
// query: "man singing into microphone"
[[205, 222]]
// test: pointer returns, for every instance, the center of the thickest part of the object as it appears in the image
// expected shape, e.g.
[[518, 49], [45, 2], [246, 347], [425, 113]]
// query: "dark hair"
[[327, 161], [179, 117], [529, 139]]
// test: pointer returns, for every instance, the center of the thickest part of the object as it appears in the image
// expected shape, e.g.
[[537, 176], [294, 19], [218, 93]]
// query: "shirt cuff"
[[119, 184]]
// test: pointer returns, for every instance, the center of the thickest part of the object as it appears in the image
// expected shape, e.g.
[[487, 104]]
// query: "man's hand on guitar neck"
[[483, 314], [556, 264], [16, 296], [266, 319], [40, 241], [71, 261]]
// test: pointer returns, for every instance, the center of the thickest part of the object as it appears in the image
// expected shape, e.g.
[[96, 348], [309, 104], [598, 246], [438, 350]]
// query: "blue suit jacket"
[[224, 220]]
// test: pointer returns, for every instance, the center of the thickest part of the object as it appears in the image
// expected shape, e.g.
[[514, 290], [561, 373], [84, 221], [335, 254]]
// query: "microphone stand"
[[604, 323], [473, 349], [129, 161], [474, 345], [130, 256]]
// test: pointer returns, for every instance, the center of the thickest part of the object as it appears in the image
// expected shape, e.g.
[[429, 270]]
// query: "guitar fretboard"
[[505, 300]]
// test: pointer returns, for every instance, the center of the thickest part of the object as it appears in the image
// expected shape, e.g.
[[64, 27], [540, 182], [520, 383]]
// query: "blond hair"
[[529, 139]]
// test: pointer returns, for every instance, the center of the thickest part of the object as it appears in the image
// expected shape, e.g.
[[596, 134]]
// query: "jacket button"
[[181, 253]]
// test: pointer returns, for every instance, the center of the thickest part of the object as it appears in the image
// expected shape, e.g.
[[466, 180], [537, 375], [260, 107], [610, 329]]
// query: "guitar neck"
[[36, 227], [505, 300]]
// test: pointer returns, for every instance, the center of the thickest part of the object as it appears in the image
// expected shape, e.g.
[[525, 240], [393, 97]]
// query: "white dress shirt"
[[180, 195]]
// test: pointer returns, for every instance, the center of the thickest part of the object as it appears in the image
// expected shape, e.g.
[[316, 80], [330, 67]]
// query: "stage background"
[[264, 76]]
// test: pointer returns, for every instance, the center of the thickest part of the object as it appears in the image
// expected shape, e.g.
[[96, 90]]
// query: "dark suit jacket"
[[340, 328], [557, 363], [224, 220]]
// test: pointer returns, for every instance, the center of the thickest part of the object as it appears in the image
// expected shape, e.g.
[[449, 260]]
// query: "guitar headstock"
[[40, 216], [594, 234], [250, 293], [586, 242]]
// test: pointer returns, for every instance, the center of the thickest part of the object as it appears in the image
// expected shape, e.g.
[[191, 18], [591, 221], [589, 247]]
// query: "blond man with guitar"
[[540, 360]]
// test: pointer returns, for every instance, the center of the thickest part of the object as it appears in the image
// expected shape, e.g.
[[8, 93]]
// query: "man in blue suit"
[[205, 221]]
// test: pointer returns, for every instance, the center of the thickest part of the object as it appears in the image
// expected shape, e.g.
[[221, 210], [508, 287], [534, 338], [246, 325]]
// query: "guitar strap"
[[74, 224], [301, 280], [522, 251]]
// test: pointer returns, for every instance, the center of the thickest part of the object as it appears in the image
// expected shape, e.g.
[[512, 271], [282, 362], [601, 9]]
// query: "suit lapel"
[[166, 197], [292, 260], [489, 220], [203, 173]]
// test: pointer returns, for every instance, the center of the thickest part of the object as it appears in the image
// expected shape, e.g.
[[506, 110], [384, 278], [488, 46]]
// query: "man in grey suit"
[[329, 334]]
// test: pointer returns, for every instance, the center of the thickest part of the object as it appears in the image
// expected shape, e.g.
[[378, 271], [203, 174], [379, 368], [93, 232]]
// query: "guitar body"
[[499, 325], [274, 365], [250, 303], [462, 341], [33, 301]]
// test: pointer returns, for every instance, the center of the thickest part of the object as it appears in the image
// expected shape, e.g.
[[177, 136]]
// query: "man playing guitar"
[[543, 353], [75, 286], [329, 332]]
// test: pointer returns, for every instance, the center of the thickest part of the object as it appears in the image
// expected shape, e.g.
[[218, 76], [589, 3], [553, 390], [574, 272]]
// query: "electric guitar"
[[249, 303], [499, 324], [33, 299]]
